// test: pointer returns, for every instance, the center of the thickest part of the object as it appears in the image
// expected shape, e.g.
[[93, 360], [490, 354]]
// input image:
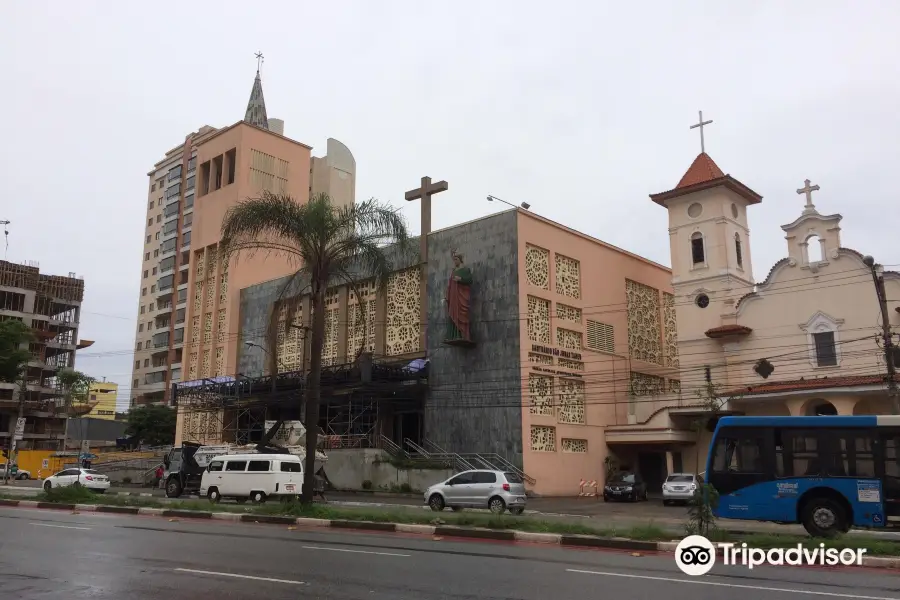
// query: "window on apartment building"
[[826, 351], [230, 157], [151, 306], [157, 235], [174, 173], [146, 256], [154, 270], [161, 182], [188, 219], [189, 201], [190, 183], [140, 328], [697, 251], [146, 362], [182, 294], [204, 179], [144, 292], [150, 204], [183, 277], [156, 253], [180, 315], [148, 239], [186, 238], [135, 384], [168, 245], [152, 189], [192, 164], [149, 222], [158, 218], [137, 364], [149, 325], [142, 308], [137, 346], [217, 171], [146, 274]]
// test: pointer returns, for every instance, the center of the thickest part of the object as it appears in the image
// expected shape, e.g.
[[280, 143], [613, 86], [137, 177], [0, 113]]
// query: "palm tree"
[[329, 244]]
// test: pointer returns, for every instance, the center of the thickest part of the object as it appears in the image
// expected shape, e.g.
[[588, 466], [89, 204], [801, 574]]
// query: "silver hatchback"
[[680, 487], [498, 491]]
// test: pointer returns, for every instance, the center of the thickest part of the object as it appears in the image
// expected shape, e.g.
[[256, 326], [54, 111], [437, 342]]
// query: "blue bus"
[[829, 473]]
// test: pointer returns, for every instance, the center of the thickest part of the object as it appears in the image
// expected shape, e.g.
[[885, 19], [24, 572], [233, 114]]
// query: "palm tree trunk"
[[313, 391]]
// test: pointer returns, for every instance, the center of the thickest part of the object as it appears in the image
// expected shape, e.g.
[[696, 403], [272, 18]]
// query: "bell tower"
[[710, 241]]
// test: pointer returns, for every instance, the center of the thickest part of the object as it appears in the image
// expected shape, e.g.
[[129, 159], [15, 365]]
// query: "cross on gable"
[[701, 124], [424, 193], [808, 190]]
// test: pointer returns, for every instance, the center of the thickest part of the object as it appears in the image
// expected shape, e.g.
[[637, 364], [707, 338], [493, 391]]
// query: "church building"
[[806, 340]]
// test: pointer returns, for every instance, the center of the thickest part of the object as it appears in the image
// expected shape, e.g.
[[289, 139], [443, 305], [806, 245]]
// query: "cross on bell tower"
[[808, 190]]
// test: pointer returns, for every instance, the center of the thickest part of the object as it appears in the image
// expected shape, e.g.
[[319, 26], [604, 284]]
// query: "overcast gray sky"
[[581, 109]]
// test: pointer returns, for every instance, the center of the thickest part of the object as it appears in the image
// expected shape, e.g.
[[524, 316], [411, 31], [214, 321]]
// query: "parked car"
[[89, 478], [253, 476], [15, 472], [680, 487], [625, 486], [495, 490]]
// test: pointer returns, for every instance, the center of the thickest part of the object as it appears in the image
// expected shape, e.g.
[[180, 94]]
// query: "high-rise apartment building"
[[188, 305], [51, 306]]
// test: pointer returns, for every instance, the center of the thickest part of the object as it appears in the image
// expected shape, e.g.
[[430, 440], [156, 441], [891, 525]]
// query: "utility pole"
[[11, 441], [886, 333]]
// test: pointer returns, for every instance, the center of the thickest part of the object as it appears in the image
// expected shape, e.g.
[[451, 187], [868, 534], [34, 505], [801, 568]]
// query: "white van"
[[253, 476]]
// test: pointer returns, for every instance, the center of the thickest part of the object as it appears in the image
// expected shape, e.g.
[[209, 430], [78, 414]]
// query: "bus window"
[[738, 454], [804, 447], [856, 457]]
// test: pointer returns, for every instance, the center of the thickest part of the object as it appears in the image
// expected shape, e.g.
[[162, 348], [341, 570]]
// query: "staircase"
[[431, 452]]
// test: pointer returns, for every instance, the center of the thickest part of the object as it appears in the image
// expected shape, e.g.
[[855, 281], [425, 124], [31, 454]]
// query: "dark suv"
[[625, 486]]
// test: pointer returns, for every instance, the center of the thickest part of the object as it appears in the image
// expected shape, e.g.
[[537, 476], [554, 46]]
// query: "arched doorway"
[[820, 408]]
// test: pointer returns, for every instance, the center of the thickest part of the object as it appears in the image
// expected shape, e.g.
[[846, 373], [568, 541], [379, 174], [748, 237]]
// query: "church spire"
[[256, 107]]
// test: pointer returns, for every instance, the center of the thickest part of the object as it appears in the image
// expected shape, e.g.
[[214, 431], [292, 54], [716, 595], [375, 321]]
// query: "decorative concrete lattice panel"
[[540, 392], [220, 326], [600, 337], [289, 341], [198, 296], [573, 445], [404, 314], [568, 276], [643, 384], [192, 365], [220, 362], [537, 267], [543, 438], [361, 319], [207, 328], [571, 365], [204, 366], [330, 344], [539, 359], [565, 312], [538, 320], [671, 326], [195, 329], [644, 335], [675, 386], [571, 401], [223, 288], [200, 273], [568, 339]]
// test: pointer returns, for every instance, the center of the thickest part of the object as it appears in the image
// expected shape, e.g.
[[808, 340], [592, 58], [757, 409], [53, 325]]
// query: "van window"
[[215, 465], [235, 465], [259, 466], [291, 467]]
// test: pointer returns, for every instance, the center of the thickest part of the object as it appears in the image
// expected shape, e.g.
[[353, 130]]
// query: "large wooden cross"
[[424, 193]]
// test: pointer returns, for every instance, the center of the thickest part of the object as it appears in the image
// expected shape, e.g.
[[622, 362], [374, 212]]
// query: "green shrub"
[[73, 494]]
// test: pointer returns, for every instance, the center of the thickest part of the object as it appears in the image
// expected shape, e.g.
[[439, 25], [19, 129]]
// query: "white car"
[[14, 473], [89, 478]]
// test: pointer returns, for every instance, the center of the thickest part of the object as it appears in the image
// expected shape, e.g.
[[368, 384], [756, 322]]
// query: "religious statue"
[[458, 302]]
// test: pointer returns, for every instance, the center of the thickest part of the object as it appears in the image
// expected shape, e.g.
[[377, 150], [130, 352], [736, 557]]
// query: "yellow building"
[[102, 400]]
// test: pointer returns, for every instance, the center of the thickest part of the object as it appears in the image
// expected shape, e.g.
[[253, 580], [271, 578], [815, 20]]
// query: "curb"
[[583, 541]]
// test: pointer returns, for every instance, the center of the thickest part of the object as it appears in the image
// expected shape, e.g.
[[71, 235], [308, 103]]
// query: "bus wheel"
[[823, 517]]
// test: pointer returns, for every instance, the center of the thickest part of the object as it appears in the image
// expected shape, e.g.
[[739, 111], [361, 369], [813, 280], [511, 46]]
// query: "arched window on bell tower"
[[698, 252], [738, 250]]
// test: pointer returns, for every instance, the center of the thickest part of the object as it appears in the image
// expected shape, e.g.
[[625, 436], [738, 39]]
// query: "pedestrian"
[[159, 476]]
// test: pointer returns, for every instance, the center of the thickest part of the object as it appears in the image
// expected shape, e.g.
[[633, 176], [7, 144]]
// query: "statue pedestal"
[[459, 342]]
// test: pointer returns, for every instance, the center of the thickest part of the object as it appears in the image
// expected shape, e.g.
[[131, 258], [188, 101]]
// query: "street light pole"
[[886, 334]]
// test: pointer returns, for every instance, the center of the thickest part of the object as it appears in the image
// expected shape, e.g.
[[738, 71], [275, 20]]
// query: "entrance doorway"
[[407, 426], [652, 467]]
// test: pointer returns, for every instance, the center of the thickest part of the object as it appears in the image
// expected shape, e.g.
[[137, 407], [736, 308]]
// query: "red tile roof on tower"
[[703, 169], [703, 174]]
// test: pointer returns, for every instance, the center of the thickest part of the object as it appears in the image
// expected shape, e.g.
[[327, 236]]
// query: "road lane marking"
[[733, 585], [237, 576], [357, 551], [59, 526]]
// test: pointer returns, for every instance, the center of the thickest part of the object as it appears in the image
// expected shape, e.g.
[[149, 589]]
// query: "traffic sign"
[[20, 429]]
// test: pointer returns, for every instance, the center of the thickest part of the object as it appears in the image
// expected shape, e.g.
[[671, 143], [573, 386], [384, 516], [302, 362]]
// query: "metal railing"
[[491, 461]]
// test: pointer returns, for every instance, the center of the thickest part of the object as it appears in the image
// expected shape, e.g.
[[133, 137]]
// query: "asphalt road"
[[57, 555]]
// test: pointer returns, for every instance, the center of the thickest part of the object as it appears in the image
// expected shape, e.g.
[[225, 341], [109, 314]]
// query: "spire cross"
[[259, 60], [700, 125], [808, 190]]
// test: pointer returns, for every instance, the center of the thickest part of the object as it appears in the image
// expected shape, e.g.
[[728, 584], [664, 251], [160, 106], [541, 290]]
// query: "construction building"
[[187, 308], [51, 306]]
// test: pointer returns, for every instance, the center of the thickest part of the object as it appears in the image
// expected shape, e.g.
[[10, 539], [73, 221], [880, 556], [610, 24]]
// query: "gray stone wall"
[[257, 301], [474, 402]]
